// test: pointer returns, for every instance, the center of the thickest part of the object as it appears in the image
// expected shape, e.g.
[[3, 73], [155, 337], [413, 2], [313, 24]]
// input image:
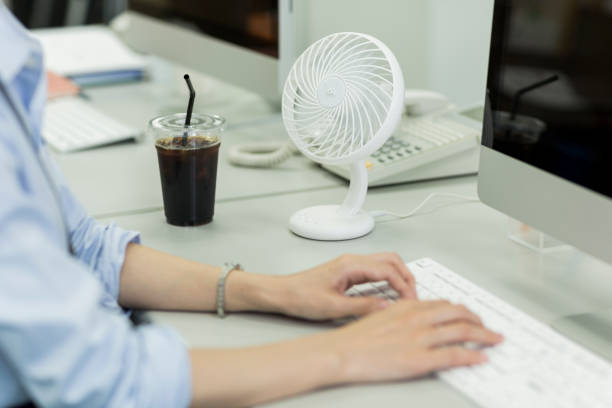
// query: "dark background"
[[533, 40], [56, 13], [249, 23]]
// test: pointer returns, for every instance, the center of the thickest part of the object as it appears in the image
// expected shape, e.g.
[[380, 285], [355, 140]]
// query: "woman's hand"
[[318, 293], [409, 339]]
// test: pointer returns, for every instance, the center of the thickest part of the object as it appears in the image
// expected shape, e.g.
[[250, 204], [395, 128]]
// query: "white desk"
[[253, 206], [469, 238], [125, 178]]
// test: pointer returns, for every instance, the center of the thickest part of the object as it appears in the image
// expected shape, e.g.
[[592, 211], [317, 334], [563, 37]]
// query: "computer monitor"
[[546, 157], [249, 43]]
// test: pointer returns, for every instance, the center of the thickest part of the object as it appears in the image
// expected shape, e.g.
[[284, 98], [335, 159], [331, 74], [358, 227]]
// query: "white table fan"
[[342, 100]]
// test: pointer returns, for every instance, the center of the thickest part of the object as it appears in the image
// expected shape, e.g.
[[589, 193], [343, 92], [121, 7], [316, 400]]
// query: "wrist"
[[250, 292], [326, 352]]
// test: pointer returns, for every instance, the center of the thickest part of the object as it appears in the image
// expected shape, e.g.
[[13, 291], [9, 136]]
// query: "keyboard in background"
[[72, 124], [534, 367]]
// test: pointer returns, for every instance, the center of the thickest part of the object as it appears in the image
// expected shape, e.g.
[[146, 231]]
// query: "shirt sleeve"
[[101, 247], [62, 346]]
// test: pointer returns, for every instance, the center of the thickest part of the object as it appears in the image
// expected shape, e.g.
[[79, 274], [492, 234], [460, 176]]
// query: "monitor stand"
[[592, 330]]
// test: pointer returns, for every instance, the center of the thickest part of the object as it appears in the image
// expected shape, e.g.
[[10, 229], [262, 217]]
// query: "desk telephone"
[[433, 140]]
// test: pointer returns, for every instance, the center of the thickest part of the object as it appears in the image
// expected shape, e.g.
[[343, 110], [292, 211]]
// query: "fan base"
[[329, 223]]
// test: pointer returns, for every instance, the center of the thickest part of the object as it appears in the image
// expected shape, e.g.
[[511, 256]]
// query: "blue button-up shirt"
[[63, 339]]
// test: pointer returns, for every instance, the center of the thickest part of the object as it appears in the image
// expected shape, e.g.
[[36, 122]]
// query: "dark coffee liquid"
[[188, 176]]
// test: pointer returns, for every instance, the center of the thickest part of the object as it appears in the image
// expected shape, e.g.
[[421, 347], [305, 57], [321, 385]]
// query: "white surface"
[[459, 36], [470, 238], [422, 102], [262, 155], [125, 178], [81, 50], [358, 189], [251, 226], [71, 124], [287, 47], [422, 148], [402, 25], [330, 223], [343, 99], [333, 222], [534, 366], [441, 45], [554, 205]]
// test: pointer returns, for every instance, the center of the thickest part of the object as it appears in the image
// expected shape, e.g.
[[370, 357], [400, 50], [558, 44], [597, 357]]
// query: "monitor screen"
[[549, 96], [252, 24]]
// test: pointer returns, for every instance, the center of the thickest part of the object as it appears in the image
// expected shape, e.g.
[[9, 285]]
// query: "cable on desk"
[[261, 154], [382, 213]]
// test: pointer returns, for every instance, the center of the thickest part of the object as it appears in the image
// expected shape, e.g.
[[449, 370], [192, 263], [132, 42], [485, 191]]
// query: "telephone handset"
[[423, 102]]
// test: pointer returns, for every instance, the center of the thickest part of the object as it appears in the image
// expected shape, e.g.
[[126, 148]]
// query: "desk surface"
[[122, 183], [469, 238], [124, 178]]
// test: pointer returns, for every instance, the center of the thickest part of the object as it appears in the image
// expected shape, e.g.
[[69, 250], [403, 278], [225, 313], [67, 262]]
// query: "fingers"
[[443, 313], [449, 357], [359, 306], [372, 271], [379, 267], [396, 261], [460, 333]]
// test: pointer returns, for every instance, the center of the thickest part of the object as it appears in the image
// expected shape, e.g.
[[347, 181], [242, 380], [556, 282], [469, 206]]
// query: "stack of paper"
[[89, 55]]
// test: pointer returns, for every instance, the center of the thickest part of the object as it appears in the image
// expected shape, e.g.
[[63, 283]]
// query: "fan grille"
[[338, 96]]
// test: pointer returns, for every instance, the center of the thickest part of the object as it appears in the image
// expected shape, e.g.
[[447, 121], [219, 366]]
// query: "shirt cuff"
[[124, 239], [112, 256]]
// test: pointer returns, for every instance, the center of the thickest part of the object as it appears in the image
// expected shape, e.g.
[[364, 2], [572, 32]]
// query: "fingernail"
[[383, 304], [482, 358]]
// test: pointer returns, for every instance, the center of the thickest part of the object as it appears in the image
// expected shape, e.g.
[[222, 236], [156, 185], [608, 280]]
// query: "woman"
[[66, 281]]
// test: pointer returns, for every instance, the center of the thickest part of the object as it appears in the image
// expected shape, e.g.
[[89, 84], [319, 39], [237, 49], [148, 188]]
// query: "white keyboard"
[[534, 367], [72, 124]]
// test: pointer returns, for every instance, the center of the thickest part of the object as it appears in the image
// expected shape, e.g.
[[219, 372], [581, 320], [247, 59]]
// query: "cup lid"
[[199, 121]]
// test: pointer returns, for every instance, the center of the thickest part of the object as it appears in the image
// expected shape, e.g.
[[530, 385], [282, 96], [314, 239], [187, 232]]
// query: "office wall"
[[440, 44], [401, 24], [459, 35]]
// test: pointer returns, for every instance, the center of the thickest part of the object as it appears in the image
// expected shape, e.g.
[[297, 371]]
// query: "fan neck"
[[358, 189]]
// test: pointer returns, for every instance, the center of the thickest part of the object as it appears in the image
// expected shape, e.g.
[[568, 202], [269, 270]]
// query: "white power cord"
[[261, 154], [383, 213]]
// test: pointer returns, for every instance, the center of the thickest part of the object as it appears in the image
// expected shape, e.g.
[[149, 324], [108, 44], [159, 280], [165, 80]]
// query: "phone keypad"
[[414, 138]]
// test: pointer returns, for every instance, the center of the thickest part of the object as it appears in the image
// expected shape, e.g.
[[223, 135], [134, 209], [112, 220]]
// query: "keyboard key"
[[72, 123], [535, 366]]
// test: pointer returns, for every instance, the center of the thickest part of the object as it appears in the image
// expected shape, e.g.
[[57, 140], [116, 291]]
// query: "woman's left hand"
[[318, 293]]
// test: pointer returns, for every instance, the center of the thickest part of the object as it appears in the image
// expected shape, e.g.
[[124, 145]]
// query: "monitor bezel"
[[561, 208], [248, 69]]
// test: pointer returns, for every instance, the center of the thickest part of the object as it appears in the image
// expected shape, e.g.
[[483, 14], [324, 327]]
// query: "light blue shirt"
[[64, 342]]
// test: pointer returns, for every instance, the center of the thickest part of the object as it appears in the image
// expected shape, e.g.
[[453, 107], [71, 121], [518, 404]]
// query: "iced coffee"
[[188, 158]]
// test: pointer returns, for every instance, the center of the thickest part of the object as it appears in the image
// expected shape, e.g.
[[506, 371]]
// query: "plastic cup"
[[517, 136], [188, 158]]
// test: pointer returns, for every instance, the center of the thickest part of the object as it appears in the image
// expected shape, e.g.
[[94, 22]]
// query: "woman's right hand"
[[410, 339], [406, 340]]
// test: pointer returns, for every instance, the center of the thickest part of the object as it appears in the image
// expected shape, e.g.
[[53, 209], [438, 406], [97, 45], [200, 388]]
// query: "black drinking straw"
[[519, 94], [189, 107]]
